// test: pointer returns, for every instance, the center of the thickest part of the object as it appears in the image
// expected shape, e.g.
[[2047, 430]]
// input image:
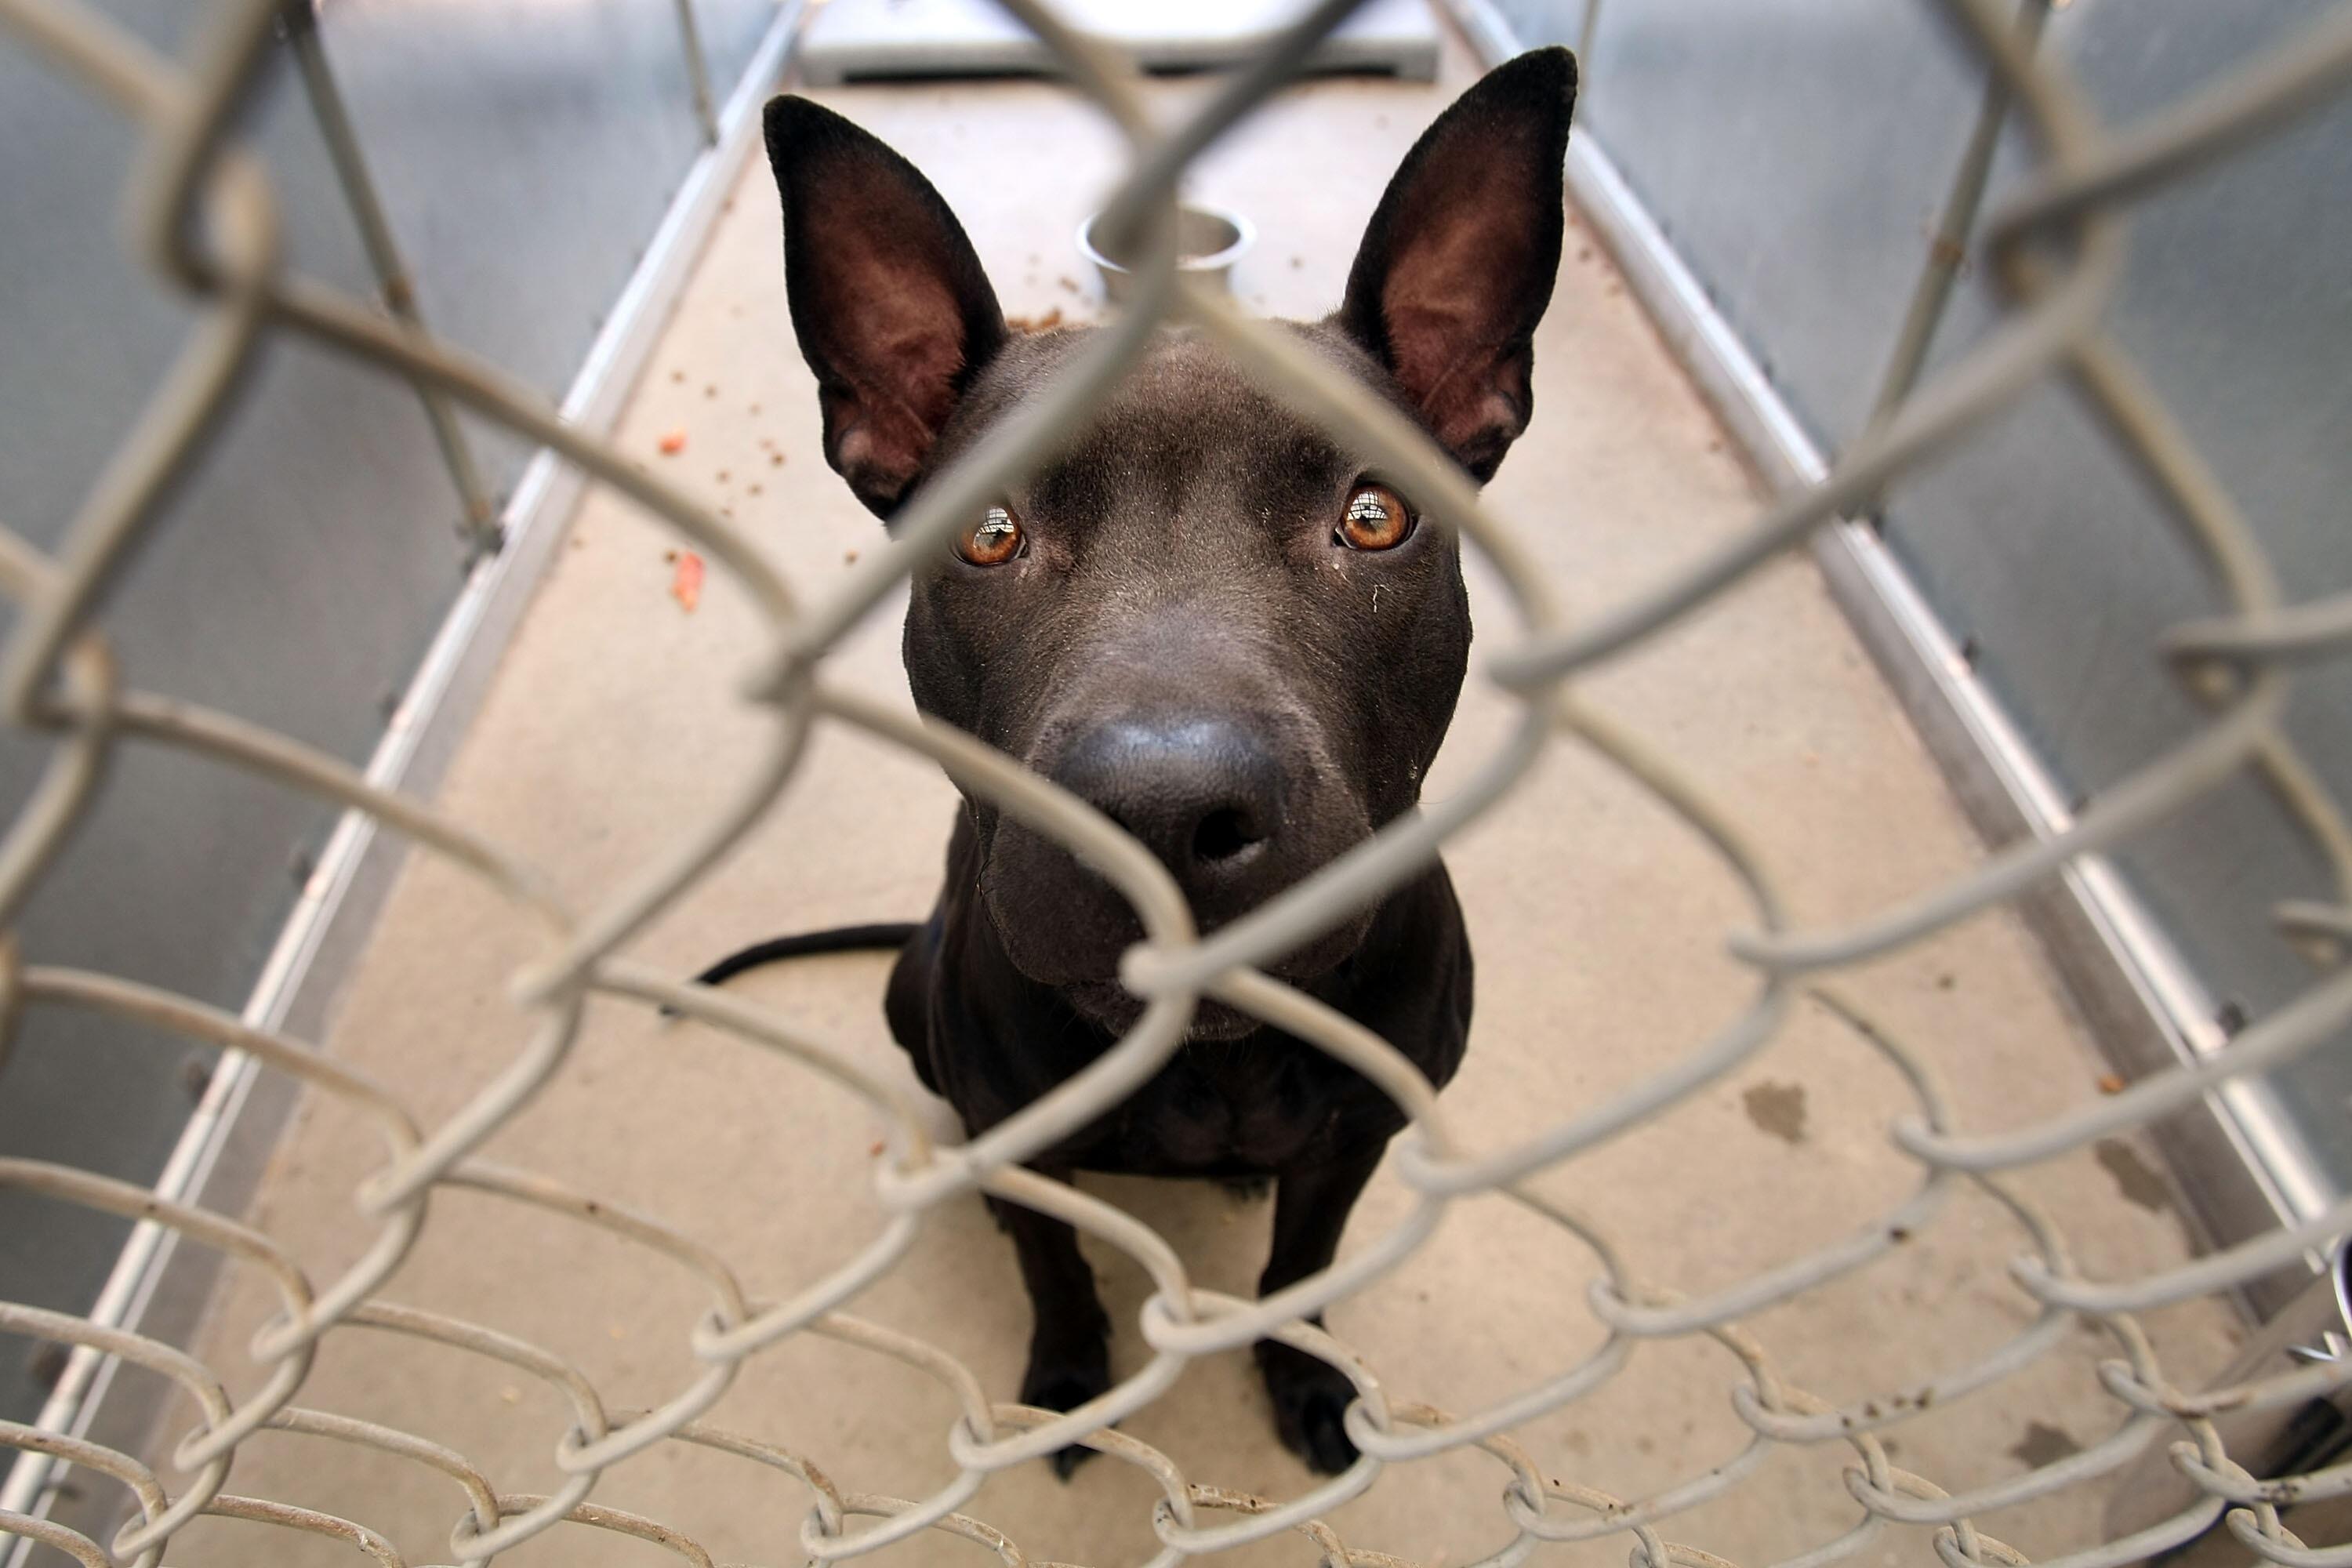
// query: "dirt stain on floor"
[[2044, 1445], [2139, 1181], [1778, 1109]]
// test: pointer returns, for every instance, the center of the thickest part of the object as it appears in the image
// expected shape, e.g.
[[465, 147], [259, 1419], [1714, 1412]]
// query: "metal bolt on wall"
[[206, 224]]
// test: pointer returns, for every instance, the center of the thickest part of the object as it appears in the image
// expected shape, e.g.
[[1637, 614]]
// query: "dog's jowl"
[[1227, 632]]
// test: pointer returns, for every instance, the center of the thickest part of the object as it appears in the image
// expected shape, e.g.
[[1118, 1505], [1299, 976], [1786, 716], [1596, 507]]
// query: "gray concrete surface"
[[1598, 920]]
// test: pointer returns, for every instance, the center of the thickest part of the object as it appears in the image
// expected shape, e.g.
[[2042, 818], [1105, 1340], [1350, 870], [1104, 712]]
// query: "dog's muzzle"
[[1217, 801]]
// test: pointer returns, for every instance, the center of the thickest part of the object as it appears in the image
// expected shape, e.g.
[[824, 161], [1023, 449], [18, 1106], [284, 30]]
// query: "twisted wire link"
[[203, 220]]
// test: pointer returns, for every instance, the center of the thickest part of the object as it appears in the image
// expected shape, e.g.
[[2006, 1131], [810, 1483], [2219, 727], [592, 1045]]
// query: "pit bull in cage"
[[1219, 628]]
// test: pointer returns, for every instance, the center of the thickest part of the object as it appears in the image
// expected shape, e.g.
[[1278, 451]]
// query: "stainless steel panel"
[[525, 155], [1794, 154]]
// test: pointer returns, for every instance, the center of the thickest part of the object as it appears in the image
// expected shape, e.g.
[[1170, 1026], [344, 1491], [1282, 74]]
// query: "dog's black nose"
[[1202, 793]]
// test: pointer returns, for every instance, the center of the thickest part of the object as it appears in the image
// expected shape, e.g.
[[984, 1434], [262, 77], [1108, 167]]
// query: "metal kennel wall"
[[1806, 163], [519, 177], [205, 218]]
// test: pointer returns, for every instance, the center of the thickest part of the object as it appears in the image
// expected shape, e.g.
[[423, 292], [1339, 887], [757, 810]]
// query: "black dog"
[[1215, 624]]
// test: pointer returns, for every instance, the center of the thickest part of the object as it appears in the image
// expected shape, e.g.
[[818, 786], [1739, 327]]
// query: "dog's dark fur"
[[1186, 643]]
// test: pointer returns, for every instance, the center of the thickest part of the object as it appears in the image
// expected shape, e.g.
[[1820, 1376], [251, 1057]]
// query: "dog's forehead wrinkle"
[[1184, 420]]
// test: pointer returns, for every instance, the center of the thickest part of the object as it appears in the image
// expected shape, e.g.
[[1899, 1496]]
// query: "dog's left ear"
[[893, 311], [1457, 264]]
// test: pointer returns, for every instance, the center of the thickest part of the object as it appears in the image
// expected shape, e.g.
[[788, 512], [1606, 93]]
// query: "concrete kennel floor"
[[1597, 920]]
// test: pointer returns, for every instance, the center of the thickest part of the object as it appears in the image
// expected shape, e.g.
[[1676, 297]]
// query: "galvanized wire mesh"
[[204, 222]]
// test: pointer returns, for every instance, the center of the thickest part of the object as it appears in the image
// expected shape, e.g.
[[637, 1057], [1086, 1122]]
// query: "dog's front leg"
[[1310, 1209], [1069, 1351]]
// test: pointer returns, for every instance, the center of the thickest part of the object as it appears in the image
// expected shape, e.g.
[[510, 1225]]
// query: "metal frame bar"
[[478, 524]]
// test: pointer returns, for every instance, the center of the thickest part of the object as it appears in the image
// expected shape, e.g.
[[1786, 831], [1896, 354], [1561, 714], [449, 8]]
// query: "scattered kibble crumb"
[[849, 558], [669, 555], [1046, 323], [873, 1150], [752, 490], [677, 376], [775, 459], [685, 585], [672, 444], [711, 390], [722, 475], [2111, 1084]]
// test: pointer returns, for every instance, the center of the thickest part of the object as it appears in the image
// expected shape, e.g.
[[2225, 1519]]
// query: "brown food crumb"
[[1068, 282], [722, 475], [775, 459], [686, 584], [710, 390], [677, 376], [669, 555], [849, 558], [2111, 1084], [672, 444], [1044, 324], [873, 1150], [753, 489]]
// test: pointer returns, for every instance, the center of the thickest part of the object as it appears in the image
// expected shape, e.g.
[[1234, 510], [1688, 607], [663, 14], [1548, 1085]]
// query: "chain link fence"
[[203, 221]]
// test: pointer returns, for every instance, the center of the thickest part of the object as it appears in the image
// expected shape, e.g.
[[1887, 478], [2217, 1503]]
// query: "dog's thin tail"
[[807, 945]]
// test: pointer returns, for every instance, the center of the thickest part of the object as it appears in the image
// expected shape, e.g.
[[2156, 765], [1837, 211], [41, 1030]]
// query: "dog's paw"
[[1310, 1397], [1063, 1381]]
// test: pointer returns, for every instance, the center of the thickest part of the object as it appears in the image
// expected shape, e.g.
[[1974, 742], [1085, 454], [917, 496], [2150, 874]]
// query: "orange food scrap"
[[2111, 1084], [873, 1150], [672, 444], [686, 585]]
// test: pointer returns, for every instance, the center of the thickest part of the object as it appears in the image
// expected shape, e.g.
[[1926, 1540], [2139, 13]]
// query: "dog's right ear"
[[893, 311], [1457, 264]]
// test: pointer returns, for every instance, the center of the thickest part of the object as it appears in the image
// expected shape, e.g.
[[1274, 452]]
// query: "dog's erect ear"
[[892, 309], [1457, 264]]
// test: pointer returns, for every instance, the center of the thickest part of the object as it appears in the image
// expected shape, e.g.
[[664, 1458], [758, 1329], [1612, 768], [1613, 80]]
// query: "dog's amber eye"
[[994, 540], [1376, 518]]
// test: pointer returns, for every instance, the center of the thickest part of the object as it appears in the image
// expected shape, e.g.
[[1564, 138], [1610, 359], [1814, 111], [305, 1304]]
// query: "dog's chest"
[[1215, 1109]]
